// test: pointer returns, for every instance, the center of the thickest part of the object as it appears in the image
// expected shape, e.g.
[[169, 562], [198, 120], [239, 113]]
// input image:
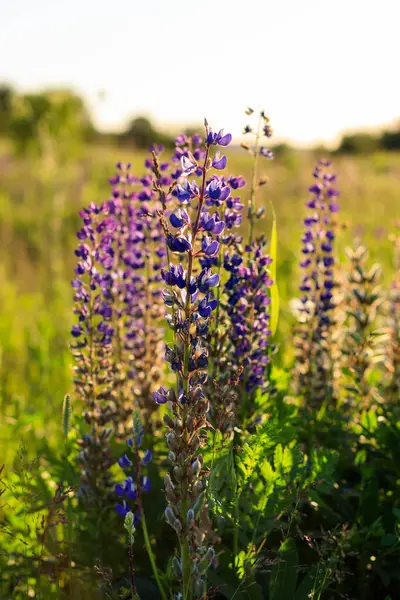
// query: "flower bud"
[[168, 421], [168, 482], [177, 526], [178, 473], [199, 588], [176, 567], [190, 517], [170, 516], [171, 441], [197, 488], [196, 466]]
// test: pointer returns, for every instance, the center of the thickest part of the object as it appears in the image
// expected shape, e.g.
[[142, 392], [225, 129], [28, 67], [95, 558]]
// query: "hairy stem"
[[254, 181], [185, 550]]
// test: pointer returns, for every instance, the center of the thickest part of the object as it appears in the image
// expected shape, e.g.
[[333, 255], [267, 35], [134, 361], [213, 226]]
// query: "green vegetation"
[[38, 221], [309, 504]]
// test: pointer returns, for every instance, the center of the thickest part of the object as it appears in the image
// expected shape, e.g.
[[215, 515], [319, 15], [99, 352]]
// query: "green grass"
[[38, 220]]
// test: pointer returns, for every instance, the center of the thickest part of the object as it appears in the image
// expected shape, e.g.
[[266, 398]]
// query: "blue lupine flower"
[[129, 488], [266, 153], [236, 182], [209, 246], [211, 223], [206, 306], [248, 289], [178, 243], [188, 167], [219, 162], [160, 396], [146, 459], [317, 283], [218, 139], [122, 509], [207, 280], [145, 484], [124, 462]]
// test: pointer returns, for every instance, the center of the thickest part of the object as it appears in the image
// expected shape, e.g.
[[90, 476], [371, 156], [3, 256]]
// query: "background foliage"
[[329, 517]]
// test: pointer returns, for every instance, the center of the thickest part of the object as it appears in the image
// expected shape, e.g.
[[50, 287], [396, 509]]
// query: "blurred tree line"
[[366, 143], [35, 120]]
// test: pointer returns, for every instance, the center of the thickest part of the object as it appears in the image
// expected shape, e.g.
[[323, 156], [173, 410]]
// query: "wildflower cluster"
[[120, 309], [248, 302], [130, 491], [359, 340], [192, 233], [313, 360], [92, 350], [176, 310], [139, 256], [239, 342]]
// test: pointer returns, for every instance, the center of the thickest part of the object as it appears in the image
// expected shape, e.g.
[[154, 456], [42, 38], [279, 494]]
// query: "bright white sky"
[[318, 67]]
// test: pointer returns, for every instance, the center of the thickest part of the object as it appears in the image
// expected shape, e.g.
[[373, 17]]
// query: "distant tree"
[[142, 134], [358, 143], [56, 118], [6, 100], [282, 149], [390, 140], [192, 129]]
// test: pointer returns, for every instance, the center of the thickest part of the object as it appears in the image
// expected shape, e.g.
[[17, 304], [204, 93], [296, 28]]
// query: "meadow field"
[[39, 220], [40, 202]]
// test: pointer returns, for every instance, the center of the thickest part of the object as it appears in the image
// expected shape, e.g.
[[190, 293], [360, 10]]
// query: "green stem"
[[254, 181], [236, 528], [185, 550], [235, 444], [151, 557], [215, 370], [187, 587]]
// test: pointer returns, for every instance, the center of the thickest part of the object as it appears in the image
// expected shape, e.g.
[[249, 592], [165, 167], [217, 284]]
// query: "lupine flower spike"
[[315, 308], [138, 257], [92, 351], [241, 338], [192, 233]]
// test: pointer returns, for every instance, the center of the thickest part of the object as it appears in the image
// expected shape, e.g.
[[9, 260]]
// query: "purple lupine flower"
[[240, 359], [209, 246], [236, 182], [218, 139], [266, 153], [248, 297], [190, 295], [160, 396], [188, 166], [316, 304], [138, 255], [133, 485], [92, 349], [318, 245], [124, 462], [219, 162], [178, 243]]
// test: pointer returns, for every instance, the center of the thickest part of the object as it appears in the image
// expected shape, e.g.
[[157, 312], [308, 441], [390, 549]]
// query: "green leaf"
[[278, 457], [274, 288], [66, 414], [284, 573]]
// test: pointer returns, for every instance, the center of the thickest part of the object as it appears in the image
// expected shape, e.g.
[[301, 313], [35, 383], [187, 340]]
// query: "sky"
[[317, 67]]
